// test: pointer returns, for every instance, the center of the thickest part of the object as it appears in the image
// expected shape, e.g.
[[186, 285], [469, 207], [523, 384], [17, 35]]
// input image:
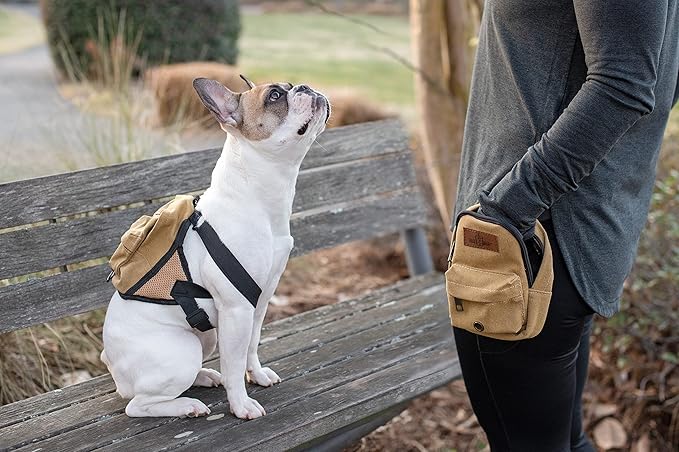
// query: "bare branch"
[[410, 66], [325, 9]]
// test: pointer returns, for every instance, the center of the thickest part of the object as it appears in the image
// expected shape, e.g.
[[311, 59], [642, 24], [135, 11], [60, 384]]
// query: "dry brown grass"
[[350, 108], [175, 98], [47, 357]]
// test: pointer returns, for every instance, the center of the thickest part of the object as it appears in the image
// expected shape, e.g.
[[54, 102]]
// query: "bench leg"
[[417, 251], [348, 435]]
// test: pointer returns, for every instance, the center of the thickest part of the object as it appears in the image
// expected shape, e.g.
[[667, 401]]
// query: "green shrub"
[[169, 30]]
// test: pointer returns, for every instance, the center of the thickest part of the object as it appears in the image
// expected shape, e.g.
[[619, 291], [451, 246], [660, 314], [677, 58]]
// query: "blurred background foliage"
[[160, 24]]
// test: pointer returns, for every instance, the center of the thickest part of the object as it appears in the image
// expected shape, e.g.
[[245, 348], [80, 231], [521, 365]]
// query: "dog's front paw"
[[247, 408], [263, 376]]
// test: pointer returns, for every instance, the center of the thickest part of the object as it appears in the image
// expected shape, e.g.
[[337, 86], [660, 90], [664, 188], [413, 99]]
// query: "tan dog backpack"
[[491, 289], [149, 264], [149, 241]]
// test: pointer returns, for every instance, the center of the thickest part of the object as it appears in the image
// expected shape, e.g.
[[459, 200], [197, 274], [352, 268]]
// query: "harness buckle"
[[195, 219], [199, 319]]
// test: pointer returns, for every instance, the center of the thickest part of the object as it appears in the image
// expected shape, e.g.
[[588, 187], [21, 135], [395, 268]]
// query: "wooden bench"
[[347, 368]]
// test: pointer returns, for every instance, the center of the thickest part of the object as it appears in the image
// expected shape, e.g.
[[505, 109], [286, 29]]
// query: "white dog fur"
[[150, 350]]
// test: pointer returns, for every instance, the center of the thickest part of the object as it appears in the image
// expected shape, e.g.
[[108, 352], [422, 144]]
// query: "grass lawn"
[[18, 31], [331, 52]]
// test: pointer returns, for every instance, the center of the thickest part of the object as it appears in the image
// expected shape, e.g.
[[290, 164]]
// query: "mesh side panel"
[[160, 285]]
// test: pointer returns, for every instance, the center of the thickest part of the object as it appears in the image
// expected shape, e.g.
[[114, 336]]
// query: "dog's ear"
[[247, 82], [221, 101]]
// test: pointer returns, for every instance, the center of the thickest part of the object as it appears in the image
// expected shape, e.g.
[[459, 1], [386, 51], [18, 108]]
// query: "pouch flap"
[[135, 236], [147, 241], [474, 284]]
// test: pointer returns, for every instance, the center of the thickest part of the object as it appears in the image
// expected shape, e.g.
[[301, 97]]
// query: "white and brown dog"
[[150, 350]]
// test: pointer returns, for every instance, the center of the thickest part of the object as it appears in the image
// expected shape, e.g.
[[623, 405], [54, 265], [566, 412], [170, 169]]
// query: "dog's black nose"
[[303, 89]]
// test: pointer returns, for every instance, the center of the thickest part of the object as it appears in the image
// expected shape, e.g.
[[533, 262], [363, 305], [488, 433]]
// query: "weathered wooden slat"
[[359, 220], [322, 337], [33, 200], [98, 386], [414, 382], [328, 313], [287, 393], [43, 404], [42, 300], [347, 181], [333, 346], [297, 324], [293, 424], [117, 432], [53, 245]]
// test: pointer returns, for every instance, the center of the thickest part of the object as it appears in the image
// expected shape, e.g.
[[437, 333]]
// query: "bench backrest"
[[57, 232]]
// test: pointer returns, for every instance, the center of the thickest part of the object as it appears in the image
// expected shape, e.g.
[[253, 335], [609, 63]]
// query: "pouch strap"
[[225, 260], [185, 294]]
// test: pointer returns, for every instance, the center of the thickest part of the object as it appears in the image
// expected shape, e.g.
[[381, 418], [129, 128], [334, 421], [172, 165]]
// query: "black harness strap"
[[225, 260], [185, 294]]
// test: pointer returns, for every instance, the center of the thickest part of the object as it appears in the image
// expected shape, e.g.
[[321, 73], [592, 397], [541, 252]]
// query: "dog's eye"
[[275, 95]]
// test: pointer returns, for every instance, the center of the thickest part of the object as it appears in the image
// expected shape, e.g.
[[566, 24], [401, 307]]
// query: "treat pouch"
[[492, 291]]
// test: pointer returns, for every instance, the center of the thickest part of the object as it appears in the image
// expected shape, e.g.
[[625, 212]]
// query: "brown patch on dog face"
[[262, 110]]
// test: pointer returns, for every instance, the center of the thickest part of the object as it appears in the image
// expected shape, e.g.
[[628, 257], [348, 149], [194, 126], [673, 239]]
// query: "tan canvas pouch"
[[488, 279], [147, 241]]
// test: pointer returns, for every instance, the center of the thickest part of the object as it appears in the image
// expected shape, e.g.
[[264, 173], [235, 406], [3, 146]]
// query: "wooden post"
[[418, 256], [444, 36]]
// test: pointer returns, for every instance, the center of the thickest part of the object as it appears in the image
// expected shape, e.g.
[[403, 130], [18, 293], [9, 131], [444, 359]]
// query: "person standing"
[[568, 105]]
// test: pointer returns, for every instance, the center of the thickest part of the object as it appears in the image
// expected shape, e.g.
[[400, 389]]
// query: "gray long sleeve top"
[[568, 105]]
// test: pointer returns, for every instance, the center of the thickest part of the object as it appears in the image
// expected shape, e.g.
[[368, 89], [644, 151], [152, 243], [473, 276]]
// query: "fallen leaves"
[[610, 434]]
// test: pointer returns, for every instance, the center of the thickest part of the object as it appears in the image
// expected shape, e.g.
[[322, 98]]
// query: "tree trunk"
[[443, 33]]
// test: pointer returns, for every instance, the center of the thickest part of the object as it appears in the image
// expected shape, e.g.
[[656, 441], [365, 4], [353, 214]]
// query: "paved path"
[[32, 114], [41, 133]]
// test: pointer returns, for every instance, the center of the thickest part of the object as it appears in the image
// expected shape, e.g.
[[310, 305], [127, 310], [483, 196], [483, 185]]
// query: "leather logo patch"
[[481, 240]]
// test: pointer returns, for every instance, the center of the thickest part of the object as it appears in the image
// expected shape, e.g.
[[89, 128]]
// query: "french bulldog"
[[150, 350]]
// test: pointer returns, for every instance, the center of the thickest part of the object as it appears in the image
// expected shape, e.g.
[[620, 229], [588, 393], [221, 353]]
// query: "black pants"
[[527, 395]]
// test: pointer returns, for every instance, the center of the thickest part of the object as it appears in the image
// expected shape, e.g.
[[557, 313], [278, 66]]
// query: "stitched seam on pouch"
[[485, 290], [485, 271]]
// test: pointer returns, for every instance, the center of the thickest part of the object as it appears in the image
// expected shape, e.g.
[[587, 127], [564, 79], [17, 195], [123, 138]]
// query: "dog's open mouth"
[[302, 130]]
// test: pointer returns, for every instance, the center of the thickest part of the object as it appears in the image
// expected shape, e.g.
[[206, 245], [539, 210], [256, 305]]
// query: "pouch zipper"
[[512, 230]]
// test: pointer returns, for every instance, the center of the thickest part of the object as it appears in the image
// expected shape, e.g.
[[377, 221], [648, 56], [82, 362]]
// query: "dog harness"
[[149, 265]]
